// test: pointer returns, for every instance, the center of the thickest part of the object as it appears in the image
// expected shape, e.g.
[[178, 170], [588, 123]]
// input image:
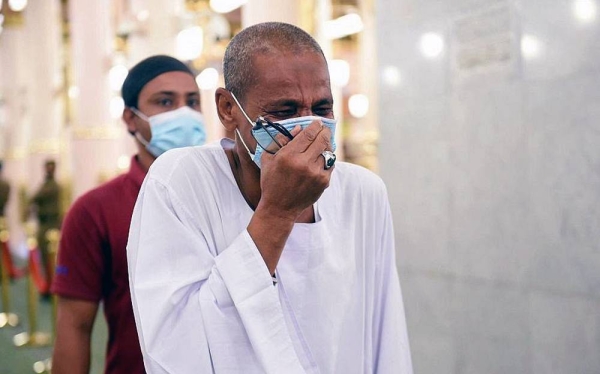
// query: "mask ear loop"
[[242, 109], [237, 130], [139, 114], [137, 134]]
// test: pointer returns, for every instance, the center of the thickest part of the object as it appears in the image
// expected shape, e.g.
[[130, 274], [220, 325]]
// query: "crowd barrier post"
[[7, 318]]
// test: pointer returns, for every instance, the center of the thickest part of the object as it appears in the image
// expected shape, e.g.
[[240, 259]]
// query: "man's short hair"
[[146, 70], [267, 38]]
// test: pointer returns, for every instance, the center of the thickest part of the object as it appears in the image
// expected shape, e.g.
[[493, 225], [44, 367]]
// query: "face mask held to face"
[[183, 127], [262, 135]]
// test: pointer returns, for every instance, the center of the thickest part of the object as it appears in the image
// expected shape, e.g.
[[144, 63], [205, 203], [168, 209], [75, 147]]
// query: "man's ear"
[[225, 107], [129, 119]]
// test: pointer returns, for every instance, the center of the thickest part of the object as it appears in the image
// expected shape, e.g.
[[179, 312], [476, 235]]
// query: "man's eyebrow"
[[327, 101], [164, 93], [282, 103], [290, 103]]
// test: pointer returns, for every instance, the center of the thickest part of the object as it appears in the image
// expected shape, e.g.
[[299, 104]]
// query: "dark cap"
[[144, 72]]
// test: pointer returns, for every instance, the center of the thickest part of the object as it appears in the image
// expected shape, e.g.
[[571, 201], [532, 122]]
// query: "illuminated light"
[[339, 72], [116, 76], [73, 92], [189, 43], [226, 6], [585, 10], [143, 15], [116, 107], [123, 162], [39, 367], [17, 5], [219, 27], [391, 76], [208, 79], [358, 105], [530, 47], [432, 45], [343, 26]]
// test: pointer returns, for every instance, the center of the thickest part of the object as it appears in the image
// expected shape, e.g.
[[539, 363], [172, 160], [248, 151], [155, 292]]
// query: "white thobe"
[[203, 298]]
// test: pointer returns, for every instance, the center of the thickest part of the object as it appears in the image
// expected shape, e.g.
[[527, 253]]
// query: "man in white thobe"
[[262, 254]]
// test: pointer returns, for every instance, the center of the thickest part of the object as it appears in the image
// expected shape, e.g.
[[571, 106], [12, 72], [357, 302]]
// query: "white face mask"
[[262, 136], [182, 127]]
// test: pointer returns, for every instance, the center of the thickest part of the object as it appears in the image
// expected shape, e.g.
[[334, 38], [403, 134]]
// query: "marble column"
[[16, 132], [154, 27], [44, 87], [95, 135], [490, 149]]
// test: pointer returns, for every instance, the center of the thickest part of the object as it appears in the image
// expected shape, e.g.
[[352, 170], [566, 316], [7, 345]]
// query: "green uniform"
[[47, 201], [4, 192]]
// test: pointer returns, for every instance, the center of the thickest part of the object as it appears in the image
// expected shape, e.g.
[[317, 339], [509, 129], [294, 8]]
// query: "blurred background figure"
[[162, 112], [46, 205], [4, 193]]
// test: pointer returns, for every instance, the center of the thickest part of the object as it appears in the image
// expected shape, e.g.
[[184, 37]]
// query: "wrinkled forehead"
[[304, 73]]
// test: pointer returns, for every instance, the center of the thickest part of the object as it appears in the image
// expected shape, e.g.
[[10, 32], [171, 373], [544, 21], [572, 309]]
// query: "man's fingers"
[[314, 135], [307, 136]]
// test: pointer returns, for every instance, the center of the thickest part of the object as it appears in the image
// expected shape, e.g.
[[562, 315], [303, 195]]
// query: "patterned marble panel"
[[433, 353], [494, 180], [419, 154], [565, 172], [493, 356], [490, 311], [430, 302], [488, 182], [565, 334]]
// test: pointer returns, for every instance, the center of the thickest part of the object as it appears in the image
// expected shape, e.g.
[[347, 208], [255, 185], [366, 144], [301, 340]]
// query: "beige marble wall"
[[491, 156]]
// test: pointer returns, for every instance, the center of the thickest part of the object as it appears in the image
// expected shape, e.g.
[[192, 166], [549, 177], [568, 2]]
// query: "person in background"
[[46, 205], [4, 192], [262, 254], [162, 111]]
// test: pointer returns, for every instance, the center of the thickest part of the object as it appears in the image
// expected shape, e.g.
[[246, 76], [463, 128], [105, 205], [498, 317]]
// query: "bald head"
[[269, 38]]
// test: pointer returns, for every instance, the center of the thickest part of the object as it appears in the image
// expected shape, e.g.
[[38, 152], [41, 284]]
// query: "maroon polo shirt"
[[92, 262]]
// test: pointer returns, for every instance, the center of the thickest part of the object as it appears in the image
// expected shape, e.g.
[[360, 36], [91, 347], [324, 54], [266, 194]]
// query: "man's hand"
[[291, 181], [294, 178]]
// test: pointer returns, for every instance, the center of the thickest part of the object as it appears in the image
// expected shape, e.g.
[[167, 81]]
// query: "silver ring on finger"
[[329, 158]]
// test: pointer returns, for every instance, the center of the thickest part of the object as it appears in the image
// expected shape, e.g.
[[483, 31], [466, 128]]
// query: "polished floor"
[[21, 360]]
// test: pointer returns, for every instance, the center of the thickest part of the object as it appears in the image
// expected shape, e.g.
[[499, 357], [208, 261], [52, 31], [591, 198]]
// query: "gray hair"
[[262, 38]]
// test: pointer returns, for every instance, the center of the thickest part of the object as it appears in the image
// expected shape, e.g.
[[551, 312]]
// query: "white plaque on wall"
[[483, 42]]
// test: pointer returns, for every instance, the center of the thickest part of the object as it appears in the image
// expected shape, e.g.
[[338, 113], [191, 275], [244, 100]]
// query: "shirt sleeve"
[[392, 351], [196, 310], [80, 262]]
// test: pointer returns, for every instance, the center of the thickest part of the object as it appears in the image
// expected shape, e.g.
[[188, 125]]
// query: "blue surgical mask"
[[289, 125], [183, 127]]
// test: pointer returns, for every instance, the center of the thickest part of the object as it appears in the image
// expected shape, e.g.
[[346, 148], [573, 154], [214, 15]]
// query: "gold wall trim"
[[45, 146], [97, 132], [16, 153]]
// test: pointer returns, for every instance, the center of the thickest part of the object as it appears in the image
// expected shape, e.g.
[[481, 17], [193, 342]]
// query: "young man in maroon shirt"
[[162, 111]]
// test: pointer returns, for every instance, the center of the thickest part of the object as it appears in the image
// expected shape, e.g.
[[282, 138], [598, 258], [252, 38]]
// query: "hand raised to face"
[[294, 178]]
